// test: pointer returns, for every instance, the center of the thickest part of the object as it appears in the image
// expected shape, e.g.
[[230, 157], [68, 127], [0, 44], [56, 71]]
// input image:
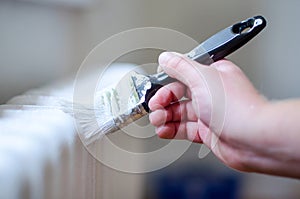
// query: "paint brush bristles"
[[114, 108]]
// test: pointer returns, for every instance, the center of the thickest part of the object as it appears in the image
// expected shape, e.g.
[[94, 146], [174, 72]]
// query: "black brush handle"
[[220, 45], [213, 49]]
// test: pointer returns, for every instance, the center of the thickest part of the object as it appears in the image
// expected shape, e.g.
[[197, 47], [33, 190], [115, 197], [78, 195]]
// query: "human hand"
[[220, 111]]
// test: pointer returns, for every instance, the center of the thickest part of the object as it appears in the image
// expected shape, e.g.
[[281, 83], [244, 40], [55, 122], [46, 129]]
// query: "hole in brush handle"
[[213, 49]]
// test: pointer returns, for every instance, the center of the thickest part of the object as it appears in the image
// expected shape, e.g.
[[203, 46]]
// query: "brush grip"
[[161, 79], [221, 44], [203, 58], [213, 49]]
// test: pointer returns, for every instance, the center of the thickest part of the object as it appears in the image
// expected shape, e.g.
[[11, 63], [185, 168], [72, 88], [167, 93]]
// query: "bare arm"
[[279, 129]]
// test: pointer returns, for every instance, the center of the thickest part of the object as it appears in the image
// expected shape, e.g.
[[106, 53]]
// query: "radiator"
[[41, 155]]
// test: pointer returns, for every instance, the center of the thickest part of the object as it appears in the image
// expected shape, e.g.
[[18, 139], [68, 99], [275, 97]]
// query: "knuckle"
[[178, 63], [226, 66]]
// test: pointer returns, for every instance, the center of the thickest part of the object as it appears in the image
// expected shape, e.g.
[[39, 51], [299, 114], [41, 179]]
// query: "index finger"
[[166, 95]]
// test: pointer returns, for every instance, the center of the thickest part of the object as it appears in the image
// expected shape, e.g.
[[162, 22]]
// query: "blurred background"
[[43, 41]]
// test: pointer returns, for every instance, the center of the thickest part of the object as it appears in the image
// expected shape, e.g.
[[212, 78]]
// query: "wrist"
[[275, 144]]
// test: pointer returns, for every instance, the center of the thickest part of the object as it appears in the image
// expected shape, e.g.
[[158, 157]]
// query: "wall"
[[35, 45], [276, 59], [41, 42]]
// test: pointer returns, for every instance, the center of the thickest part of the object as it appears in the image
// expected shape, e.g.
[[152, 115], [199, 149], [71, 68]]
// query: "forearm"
[[279, 131]]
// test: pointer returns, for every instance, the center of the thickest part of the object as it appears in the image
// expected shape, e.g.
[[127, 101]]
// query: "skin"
[[223, 110]]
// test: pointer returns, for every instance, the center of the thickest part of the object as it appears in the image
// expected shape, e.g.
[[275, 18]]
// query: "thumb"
[[204, 82], [181, 68], [189, 73]]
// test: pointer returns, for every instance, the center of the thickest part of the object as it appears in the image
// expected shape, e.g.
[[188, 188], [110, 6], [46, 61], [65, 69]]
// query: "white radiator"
[[41, 155]]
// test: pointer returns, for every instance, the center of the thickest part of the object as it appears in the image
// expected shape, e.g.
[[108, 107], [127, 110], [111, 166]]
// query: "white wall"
[[43, 41], [35, 45]]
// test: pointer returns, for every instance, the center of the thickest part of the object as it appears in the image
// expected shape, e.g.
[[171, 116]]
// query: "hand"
[[222, 110]]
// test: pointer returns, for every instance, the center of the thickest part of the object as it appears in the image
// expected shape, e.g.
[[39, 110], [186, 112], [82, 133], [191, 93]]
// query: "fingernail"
[[159, 69], [163, 58]]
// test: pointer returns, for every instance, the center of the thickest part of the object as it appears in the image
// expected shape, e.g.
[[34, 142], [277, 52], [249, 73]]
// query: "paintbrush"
[[121, 105]]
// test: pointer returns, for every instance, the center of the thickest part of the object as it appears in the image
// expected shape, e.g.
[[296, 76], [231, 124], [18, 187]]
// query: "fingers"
[[176, 112], [181, 68], [194, 76], [191, 131], [178, 121], [203, 85], [166, 95], [180, 130]]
